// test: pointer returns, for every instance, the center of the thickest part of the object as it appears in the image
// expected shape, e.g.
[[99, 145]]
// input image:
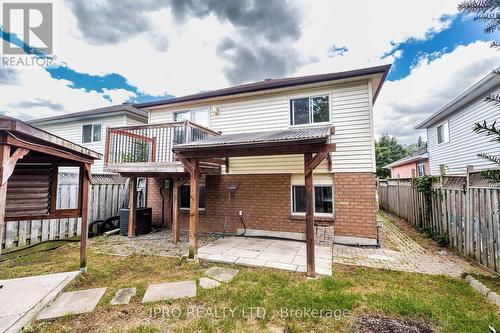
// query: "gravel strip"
[[156, 243]]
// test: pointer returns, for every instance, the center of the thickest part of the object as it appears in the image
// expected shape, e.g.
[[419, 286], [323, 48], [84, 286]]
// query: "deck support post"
[[132, 206], [193, 209], [85, 187], [176, 183], [310, 163], [193, 167], [308, 181], [4, 157]]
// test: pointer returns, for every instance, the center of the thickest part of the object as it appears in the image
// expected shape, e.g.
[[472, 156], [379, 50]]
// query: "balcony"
[[146, 150]]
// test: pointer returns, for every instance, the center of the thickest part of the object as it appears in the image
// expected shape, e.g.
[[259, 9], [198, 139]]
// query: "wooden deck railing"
[[150, 143]]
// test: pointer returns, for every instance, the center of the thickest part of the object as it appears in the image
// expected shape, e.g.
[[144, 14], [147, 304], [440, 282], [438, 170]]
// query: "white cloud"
[[430, 85], [38, 95]]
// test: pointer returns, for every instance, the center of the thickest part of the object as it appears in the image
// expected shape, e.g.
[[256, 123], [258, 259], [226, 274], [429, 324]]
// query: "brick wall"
[[266, 204], [355, 204], [264, 200], [153, 199]]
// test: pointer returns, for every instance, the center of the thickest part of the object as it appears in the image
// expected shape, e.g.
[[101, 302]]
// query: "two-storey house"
[[251, 151]]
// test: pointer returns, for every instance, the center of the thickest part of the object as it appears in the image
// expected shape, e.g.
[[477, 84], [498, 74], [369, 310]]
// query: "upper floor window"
[[421, 169], [309, 110], [443, 133], [198, 116], [91, 133]]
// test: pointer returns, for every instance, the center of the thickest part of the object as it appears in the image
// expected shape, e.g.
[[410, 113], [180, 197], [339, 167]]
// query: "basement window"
[[185, 201], [323, 199], [309, 110]]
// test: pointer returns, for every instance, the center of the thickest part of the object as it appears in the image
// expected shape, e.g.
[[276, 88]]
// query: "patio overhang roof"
[[283, 142]]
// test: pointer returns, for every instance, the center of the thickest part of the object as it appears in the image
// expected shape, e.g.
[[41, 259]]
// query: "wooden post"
[[193, 209], [4, 157], [175, 210], [469, 242], [132, 206], [85, 186], [308, 179]]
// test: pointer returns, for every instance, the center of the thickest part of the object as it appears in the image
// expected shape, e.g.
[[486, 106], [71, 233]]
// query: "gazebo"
[[30, 159]]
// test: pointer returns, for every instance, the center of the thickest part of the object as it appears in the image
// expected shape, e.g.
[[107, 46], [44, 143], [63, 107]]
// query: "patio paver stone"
[[73, 302], [207, 283], [169, 290], [123, 296], [222, 274]]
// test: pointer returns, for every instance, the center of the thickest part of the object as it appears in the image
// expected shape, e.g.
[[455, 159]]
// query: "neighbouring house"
[[414, 165], [251, 152], [88, 128], [451, 142]]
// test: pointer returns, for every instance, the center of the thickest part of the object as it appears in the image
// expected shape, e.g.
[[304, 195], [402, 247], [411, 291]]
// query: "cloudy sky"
[[110, 52]]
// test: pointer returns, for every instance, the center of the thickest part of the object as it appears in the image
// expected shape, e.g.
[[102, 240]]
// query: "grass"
[[447, 304]]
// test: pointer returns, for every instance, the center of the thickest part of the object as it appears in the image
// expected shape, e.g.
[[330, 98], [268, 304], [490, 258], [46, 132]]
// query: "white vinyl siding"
[[72, 131], [350, 113], [464, 144]]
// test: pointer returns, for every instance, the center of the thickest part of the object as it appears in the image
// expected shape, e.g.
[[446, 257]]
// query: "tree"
[[493, 131], [388, 150], [487, 11]]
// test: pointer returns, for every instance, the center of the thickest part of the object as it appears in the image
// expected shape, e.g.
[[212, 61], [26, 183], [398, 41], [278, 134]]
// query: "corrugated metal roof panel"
[[295, 134]]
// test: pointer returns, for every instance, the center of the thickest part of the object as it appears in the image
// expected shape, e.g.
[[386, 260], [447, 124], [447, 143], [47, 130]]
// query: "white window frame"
[[191, 111], [446, 132], [314, 201], [420, 164], [92, 133], [291, 111]]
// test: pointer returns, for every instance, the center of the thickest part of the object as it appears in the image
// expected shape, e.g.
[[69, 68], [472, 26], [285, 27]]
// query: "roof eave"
[[481, 88], [364, 72]]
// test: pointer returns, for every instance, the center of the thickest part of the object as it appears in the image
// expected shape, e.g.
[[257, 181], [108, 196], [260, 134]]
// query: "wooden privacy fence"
[[105, 200], [464, 209]]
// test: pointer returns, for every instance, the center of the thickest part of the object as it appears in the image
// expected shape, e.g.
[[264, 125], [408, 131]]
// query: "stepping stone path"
[[171, 290], [123, 296], [221, 274], [73, 302], [76, 302], [207, 283]]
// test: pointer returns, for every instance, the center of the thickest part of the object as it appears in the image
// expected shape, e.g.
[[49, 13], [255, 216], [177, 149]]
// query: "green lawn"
[[447, 304]]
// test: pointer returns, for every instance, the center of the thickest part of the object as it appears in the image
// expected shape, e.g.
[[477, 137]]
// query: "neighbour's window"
[[185, 197], [198, 116], [91, 133], [309, 110], [443, 134], [323, 200], [421, 169]]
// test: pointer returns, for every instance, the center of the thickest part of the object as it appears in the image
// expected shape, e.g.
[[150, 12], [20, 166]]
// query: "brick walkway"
[[400, 252]]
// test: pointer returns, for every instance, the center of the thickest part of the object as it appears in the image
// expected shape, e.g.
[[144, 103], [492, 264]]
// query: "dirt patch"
[[381, 324]]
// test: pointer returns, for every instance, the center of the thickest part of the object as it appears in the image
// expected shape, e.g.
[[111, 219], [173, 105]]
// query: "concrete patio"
[[261, 252], [21, 299]]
